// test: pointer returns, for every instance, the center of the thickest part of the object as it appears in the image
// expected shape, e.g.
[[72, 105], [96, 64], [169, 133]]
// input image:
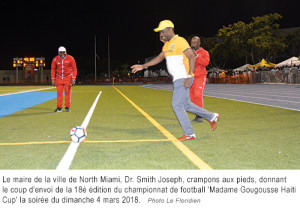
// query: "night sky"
[[39, 28]]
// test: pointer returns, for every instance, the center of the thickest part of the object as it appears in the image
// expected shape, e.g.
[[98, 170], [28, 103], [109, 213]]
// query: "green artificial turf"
[[248, 136]]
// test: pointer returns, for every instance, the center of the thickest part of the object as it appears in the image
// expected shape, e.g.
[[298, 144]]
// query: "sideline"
[[20, 92], [67, 159], [201, 164]]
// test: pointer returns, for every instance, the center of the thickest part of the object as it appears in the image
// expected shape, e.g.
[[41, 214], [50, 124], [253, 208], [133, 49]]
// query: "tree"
[[239, 41], [232, 44], [266, 39], [293, 46]]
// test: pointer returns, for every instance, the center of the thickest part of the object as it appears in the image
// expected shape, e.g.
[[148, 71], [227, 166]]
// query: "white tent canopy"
[[214, 69], [289, 62], [242, 68]]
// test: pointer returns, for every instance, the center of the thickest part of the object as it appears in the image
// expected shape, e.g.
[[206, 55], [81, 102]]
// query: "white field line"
[[41, 89], [67, 159]]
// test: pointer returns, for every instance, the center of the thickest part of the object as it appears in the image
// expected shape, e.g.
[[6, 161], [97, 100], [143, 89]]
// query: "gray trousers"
[[182, 104]]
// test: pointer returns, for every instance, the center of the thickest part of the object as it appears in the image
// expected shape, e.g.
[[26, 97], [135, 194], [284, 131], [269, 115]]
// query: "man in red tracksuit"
[[202, 61], [63, 75]]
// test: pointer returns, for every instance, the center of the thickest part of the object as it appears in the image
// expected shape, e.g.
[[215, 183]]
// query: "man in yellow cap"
[[181, 61]]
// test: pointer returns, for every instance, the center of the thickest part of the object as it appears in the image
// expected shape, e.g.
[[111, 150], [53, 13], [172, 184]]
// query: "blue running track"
[[10, 104]]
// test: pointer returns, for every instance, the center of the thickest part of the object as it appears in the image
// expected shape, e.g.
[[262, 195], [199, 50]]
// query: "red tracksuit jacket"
[[63, 68], [202, 62]]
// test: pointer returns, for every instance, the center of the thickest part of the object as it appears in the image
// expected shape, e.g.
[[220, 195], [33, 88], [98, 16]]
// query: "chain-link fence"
[[278, 76]]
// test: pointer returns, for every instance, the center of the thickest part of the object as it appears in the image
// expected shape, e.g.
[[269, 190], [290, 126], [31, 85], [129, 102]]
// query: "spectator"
[[294, 72]]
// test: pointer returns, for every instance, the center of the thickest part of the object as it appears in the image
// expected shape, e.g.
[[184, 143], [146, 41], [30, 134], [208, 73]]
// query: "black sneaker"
[[58, 110], [197, 119], [67, 109]]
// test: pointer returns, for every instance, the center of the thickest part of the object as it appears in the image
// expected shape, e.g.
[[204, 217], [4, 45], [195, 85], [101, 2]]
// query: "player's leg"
[[209, 116], [179, 100], [195, 91], [202, 88], [68, 91], [59, 93], [196, 94]]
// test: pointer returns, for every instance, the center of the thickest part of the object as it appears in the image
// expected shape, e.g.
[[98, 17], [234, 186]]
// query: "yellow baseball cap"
[[164, 24]]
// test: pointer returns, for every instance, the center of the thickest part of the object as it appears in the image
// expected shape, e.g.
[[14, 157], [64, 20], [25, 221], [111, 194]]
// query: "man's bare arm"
[[189, 53], [154, 61]]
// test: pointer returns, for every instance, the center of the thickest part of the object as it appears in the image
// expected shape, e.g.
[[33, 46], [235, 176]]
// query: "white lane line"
[[268, 99], [277, 94], [231, 99], [67, 159], [208, 93], [41, 89]]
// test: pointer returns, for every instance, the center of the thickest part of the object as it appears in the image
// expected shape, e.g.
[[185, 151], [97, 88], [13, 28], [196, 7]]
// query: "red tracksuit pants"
[[197, 89], [62, 84]]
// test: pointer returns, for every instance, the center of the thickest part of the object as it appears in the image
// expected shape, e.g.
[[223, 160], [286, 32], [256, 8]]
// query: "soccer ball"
[[78, 134]]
